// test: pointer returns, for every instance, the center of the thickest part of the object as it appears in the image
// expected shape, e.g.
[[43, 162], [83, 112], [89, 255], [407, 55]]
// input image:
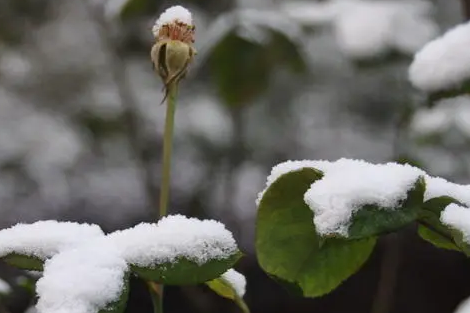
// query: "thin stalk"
[[156, 293], [167, 149]]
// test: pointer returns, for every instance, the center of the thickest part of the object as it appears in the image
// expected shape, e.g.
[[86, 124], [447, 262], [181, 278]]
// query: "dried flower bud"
[[173, 50]]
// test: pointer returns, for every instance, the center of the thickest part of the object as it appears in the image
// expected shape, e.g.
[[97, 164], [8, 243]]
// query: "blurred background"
[[81, 129]]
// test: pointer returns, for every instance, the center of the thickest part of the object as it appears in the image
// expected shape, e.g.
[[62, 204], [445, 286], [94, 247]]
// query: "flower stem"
[[155, 289], [167, 149]]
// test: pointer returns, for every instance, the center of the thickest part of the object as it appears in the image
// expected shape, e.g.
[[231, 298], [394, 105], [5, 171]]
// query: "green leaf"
[[436, 239], [463, 89], [186, 272], [225, 289], [24, 262], [119, 306], [288, 246], [371, 220], [431, 229]]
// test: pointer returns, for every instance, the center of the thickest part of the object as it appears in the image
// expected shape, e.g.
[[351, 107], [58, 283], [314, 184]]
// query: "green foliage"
[[294, 254], [372, 220], [288, 246], [25, 262], [463, 89], [225, 289], [242, 68], [431, 228], [185, 272]]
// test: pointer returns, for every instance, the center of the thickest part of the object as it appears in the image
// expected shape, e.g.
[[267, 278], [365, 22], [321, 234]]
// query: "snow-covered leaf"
[[27, 246], [287, 244], [177, 250], [231, 285], [441, 68], [372, 220]]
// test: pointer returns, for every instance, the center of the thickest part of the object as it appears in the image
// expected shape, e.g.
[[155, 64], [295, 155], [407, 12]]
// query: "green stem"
[[167, 148], [157, 290]]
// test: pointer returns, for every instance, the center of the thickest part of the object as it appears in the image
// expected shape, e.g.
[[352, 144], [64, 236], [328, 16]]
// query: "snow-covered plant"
[[441, 69], [318, 221], [85, 271]]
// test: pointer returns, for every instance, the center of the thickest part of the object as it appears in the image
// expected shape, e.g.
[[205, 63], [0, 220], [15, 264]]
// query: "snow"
[[172, 15], [463, 307], [458, 218], [44, 239], [373, 29], [174, 237], [349, 184], [438, 187], [82, 280], [446, 114], [442, 64], [236, 280], [4, 287]]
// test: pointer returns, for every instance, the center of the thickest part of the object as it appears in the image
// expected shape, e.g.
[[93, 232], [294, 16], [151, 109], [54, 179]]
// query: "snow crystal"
[[43, 239], [171, 15], [458, 218], [442, 63], [4, 287], [174, 237], [349, 184], [82, 280], [236, 280]]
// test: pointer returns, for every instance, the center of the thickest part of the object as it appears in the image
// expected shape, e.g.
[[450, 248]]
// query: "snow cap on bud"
[[173, 51]]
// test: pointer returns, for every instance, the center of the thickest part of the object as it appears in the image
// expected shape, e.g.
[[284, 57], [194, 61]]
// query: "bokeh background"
[[81, 129]]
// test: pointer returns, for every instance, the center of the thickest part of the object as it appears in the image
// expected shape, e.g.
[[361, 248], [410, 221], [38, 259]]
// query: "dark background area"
[[81, 132]]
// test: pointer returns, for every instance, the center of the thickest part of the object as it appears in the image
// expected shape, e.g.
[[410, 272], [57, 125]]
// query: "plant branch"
[[167, 148]]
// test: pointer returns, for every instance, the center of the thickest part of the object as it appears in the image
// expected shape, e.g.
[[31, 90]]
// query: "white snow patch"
[[82, 280], [371, 29], [236, 280], [44, 239], [174, 237], [443, 63], [447, 113], [171, 15], [458, 218], [4, 287], [438, 187], [349, 184]]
